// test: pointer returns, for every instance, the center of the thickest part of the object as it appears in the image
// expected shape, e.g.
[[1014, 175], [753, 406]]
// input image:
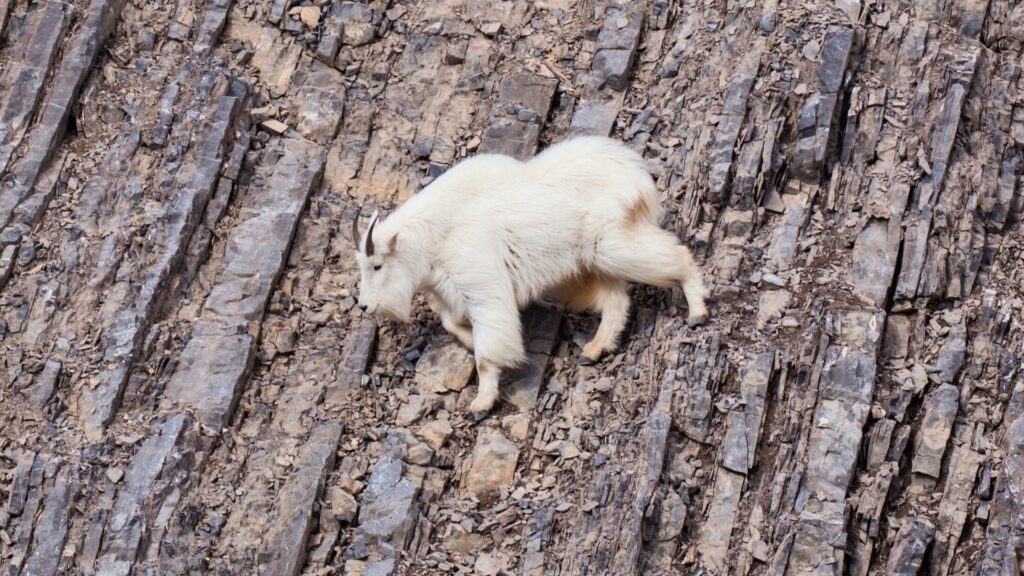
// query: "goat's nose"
[[362, 307]]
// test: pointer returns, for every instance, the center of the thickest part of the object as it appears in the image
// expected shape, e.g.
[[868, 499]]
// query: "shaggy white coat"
[[492, 234]]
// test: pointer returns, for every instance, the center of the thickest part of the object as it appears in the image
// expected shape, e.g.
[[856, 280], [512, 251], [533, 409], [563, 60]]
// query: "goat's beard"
[[398, 313], [402, 316]]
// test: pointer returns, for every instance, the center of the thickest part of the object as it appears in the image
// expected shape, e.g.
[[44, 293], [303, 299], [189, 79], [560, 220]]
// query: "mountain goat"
[[492, 234]]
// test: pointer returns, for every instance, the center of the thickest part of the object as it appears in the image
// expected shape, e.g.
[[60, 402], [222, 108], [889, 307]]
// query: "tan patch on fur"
[[583, 292], [642, 211]]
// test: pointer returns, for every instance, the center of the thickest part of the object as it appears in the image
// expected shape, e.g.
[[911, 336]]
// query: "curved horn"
[[355, 227], [369, 234]]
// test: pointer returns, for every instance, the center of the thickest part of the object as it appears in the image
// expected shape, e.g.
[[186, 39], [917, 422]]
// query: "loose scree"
[[493, 234]]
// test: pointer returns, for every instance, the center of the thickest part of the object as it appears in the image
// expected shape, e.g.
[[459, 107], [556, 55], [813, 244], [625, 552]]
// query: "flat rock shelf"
[[188, 387]]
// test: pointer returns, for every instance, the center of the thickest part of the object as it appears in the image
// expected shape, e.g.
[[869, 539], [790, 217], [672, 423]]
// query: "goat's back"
[[537, 221]]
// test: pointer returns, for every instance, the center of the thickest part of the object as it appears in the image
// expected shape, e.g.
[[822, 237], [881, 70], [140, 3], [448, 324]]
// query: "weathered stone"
[[512, 138], [528, 92], [834, 56], [221, 353], [955, 503], [124, 338], [359, 345], [613, 68], [743, 429], [524, 102], [783, 248], [939, 412], [212, 369], [388, 501], [357, 24], [945, 132], [417, 406], [907, 554], [847, 384], [671, 517], [717, 530], [877, 249], [596, 117], [51, 530], [879, 441], [319, 103], [952, 353], [344, 505], [521, 386], [45, 383], [1001, 552], [654, 441], [445, 366], [274, 126], [772, 305], [145, 484], [275, 62], [435, 433], [456, 53], [25, 77], [517, 425], [414, 451], [734, 110], [5, 11], [490, 563], [621, 29], [537, 535], [214, 18], [330, 37], [296, 500], [492, 465], [816, 119], [19, 485], [78, 58], [385, 567], [308, 15], [166, 114]]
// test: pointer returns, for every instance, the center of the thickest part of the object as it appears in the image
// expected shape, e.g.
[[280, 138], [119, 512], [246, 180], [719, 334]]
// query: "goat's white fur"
[[492, 234]]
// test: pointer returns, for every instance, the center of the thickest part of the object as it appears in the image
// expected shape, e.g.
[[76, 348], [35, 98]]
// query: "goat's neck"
[[415, 245]]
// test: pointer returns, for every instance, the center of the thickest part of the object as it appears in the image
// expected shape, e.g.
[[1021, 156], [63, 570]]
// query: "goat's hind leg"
[[611, 298], [650, 255]]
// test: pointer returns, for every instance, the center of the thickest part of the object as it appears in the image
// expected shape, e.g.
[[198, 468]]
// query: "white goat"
[[492, 234]]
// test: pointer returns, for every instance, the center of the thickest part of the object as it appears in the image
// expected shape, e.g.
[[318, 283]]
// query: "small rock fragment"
[[344, 505], [435, 433], [115, 474], [309, 15], [517, 425], [493, 463], [274, 126], [490, 563]]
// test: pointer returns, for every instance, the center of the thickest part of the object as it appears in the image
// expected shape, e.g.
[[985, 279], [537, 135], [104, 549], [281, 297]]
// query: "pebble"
[[115, 474]]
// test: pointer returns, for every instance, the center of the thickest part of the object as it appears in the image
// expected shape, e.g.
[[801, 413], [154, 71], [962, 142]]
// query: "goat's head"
[[386, 283]]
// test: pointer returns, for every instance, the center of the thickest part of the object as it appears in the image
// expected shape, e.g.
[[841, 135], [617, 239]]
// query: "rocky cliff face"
[[186, 387]]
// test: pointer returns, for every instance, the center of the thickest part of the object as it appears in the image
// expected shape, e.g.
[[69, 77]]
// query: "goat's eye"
[[377, 266]]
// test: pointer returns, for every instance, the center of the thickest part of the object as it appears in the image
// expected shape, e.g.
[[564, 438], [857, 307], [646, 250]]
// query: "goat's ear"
[[392, 243]]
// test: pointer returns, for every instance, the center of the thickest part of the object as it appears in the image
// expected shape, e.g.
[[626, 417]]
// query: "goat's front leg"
[[457, 326], [499, 345], [464, 332]]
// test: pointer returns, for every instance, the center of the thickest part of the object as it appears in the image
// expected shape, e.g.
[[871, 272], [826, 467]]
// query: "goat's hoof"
[[479, 406], [694, 321], [586, 361], [479, 415]]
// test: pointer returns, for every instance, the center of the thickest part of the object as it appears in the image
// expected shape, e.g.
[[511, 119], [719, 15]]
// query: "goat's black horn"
[[355, 227], [369, 234]]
